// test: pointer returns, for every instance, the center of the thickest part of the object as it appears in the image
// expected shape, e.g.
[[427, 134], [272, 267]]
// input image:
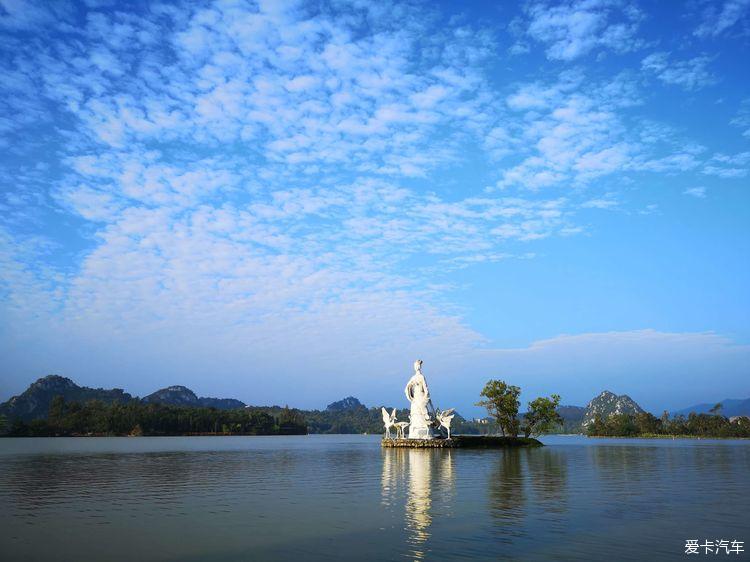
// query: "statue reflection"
[[427, 479], [419, 500]]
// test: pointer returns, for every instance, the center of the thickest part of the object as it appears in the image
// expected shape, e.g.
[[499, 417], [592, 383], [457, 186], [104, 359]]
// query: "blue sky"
[[290, 202]]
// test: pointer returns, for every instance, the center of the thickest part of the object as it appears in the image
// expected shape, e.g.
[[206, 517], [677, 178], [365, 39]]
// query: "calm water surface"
[[343, 498]]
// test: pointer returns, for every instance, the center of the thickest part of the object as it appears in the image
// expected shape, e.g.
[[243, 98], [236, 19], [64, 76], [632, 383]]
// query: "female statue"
[[419, 395]]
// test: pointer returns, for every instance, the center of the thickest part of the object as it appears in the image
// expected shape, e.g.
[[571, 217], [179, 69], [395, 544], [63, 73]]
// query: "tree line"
[[363, 420], [503, 403], [648, 425], [501, 400], [136, 418]]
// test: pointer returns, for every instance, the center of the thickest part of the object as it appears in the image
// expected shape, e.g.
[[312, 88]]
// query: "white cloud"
[[728, 165], [698, 192], [22, 14], [742, 119], [571, 132], [608, 202], [690, 74], [716, 20], [572, 30]]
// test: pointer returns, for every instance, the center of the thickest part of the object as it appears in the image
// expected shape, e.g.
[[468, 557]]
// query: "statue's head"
[[417, 365]]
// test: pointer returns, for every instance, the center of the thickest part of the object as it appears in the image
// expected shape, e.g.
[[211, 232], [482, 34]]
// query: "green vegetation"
[[542, 416], [95, 417], [493, 441], [648, 425], [135, 418], [502, 403], [361, 419]]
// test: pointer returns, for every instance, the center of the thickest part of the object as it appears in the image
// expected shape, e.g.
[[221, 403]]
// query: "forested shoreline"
[[132, 417], [647, 425], [97, 418]]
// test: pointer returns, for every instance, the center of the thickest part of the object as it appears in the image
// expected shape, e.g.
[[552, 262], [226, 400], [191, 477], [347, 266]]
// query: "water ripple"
[[338, 497]]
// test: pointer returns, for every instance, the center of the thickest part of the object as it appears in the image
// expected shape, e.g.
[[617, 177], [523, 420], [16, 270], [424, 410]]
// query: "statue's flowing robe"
[[419, 395]]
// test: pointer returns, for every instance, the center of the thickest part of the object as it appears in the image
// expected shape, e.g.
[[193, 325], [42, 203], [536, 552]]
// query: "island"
[[430, 428], [464, 442]]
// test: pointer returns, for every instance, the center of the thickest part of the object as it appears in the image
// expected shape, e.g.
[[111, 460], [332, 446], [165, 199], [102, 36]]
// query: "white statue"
[[419, 395], [400, 426], [444, 419], [389, 420]]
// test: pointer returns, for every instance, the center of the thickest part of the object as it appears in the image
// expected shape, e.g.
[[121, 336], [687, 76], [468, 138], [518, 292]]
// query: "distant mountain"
[[348, 403], [34, 402], [182, 396], [572, 417], [175, 395], [221, 403], [609, 403], [571, 413], [729, 407]]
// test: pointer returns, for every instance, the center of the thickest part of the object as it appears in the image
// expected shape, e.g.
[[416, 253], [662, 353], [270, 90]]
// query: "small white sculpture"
[[400, 426], [389, 420], [419, 395], [444, 419]]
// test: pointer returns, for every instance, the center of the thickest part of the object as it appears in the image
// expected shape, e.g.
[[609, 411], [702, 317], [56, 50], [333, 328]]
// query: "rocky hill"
[[34, 402], [571, 413], [348, 403], [175, 395], [221, 403], [178, 395], [572, 417], [609, 403]]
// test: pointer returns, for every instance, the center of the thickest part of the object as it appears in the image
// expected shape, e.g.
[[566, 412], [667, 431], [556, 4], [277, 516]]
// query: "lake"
[[341, 497]]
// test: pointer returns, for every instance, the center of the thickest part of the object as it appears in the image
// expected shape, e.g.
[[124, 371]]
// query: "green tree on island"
[[542, 415], [716, 410], [502, 403]]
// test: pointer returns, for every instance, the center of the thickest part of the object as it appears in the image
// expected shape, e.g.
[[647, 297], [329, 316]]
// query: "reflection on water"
[[526, 484], [342, 497], [426, 479], [507, 494], [418, 499]]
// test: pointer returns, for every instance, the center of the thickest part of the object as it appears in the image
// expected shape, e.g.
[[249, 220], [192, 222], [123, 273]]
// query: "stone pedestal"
[[421, 433], [464, 441]]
